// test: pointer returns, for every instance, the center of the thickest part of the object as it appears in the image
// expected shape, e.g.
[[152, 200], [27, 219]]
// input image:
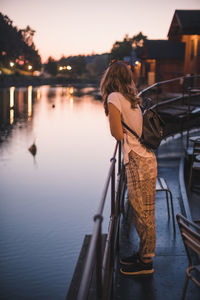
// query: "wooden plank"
[[77, 276]]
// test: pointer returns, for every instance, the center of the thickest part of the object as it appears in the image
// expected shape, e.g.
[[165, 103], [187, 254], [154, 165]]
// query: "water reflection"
[[51, 94], [71, 101], [67, 91], [11, 116], [29, 102], [46, 210], [12, 101], [70, 90], [38, 93], [20, 108], [12, 97]]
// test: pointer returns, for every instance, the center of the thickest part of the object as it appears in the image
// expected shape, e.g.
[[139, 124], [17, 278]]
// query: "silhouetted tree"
[[121, 49], [78, 65], [17, 45], [124, 48], [51, 67], [98, 65], [28, 34]]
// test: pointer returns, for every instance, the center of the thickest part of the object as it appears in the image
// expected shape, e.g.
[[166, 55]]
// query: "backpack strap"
[[133, 132]]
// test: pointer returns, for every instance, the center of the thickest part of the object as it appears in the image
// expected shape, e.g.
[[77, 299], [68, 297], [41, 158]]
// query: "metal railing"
[[162, 91], [103, 260], [178, 93]]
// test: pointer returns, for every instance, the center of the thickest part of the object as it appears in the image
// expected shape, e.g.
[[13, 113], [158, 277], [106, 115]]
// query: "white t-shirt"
[[133, 118]]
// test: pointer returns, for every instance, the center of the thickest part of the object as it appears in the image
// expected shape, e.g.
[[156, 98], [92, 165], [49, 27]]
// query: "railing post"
[[188, 114], [99, 259], [113, 189], [119, 157], [183, 90], [157, 92]]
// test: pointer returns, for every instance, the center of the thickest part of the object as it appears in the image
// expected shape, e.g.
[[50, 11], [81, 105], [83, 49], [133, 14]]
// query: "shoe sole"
[[143, 272]]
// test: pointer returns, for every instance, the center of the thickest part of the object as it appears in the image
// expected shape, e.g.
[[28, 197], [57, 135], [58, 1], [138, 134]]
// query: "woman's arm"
[[115, 122]]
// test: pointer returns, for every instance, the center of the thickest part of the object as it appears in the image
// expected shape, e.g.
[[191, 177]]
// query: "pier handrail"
[[159, 83], [186, 87], [104, 262]]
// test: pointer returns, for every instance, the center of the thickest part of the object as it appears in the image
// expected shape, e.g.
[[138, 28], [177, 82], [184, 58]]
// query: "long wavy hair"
[[119, 78]]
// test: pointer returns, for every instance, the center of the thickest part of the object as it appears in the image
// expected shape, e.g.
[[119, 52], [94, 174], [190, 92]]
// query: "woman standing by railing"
[[122, 104]]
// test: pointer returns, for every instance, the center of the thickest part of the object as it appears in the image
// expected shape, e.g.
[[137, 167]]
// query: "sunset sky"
[[70, 27]]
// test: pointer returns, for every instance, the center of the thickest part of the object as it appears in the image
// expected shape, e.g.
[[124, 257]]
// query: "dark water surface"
[[47, 201]]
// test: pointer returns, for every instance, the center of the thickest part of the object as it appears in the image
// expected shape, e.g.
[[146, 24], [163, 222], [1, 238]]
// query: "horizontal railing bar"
[[169, 101], [160, 83], [165, 81], [148, 88]]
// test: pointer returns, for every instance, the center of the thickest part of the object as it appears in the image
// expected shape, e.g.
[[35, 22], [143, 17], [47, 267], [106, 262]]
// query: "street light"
[[61, 68], [30, 67], [12, 64]]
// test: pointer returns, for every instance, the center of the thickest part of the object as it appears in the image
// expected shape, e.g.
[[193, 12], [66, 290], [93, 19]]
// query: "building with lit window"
[[177, 56], [185, 27]]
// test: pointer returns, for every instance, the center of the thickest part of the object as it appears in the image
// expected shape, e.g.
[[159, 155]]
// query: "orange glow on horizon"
[[57, 38]]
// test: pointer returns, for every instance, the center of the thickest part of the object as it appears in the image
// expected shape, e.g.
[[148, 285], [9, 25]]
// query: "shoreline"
[[7, 81]]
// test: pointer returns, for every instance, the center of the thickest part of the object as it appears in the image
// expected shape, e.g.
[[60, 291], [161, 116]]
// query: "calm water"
[[47, 201]]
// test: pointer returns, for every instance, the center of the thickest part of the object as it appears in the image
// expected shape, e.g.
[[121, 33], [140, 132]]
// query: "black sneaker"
[[129, 259], [137, 268]]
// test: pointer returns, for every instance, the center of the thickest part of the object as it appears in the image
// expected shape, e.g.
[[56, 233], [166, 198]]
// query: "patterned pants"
[[141, 179]]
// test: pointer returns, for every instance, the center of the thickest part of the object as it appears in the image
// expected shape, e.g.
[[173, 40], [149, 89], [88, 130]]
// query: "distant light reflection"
[[70, 90], [20, 101], [11, 116], [29, 102], [38, 94], [12, 96], [71, 103], [12, 64]]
